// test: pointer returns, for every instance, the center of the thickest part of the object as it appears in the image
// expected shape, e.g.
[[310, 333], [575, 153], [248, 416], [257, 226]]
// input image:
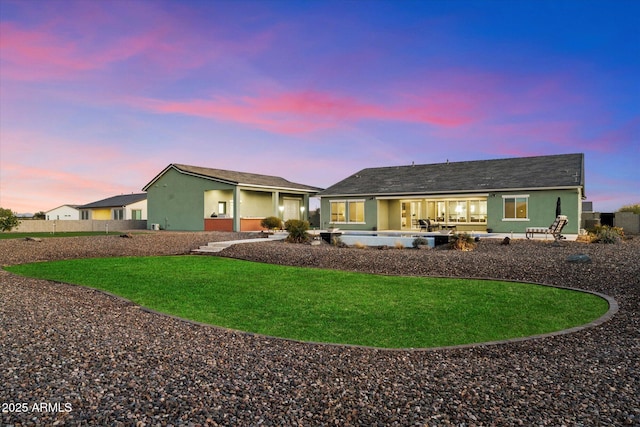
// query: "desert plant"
[[462, 242], [606, 234], [8, 220], [297, 230], [271, 223], [399, 245], [359, 245], [635, 208], [337, 241], [419, 241]]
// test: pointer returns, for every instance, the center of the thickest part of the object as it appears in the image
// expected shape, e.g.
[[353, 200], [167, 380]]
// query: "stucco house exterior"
[[64, 212], [194, 198], [122, 207], [500, 196]]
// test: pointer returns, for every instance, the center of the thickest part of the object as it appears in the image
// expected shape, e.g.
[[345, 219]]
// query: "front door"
[[291, 209]]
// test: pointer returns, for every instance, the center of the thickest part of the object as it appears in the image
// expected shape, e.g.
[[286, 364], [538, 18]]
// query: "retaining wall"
[[59, 226]]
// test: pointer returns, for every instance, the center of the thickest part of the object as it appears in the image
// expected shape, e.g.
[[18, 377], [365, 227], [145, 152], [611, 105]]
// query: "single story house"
[[64, 212], [193, 198], [125, 206], [500, 196]]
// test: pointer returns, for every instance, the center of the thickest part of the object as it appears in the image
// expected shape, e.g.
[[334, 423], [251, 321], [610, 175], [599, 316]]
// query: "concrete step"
[[213, 247]]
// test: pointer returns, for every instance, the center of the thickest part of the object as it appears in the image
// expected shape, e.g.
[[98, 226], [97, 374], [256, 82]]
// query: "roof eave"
[[484, 190]]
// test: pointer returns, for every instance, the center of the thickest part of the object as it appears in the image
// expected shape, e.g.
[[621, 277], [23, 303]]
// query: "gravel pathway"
[[74, 356]]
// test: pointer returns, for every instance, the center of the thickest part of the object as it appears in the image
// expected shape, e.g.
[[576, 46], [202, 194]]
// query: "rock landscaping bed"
[[74, 356]]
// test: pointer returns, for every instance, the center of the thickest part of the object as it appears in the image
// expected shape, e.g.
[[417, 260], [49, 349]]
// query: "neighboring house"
[[500, 196], [64, 212], [184, 197], [125, 206]]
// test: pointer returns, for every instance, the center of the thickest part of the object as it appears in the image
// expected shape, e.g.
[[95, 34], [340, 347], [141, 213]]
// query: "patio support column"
[[236, 208], [305, 202], [275, 197]]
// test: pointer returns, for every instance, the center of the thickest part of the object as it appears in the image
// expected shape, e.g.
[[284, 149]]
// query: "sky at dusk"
[[97, 97]]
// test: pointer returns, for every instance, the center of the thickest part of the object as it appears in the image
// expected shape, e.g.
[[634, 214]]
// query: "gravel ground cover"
[[75, 356]]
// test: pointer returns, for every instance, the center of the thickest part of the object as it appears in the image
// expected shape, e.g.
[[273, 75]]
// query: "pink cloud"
[[307, 111], [93, 36]]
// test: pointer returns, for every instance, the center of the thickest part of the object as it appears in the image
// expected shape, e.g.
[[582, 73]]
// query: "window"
[[136, 214], [477, 211], [222, 208], [85, 215], [338, 211], [458, 211], [356, 211], [516, 207], [118, 214]]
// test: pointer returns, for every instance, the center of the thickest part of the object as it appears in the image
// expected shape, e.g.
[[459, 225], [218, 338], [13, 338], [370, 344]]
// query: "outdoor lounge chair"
[[554, 229], [425, 224]]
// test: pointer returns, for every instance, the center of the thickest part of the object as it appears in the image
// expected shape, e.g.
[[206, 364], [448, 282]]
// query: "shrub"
[[359, 245], [399, 245], [337, 241], [635, 208], [606, 234], [271, 223], [419, 241], [8, 220], [297, 230], [462, 242]]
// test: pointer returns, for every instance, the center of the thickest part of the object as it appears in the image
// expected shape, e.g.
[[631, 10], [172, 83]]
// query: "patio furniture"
[[425, 224], [554, 229]]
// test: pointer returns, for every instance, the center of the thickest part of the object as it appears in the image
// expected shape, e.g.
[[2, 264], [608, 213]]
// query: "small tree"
[[271, 223], [8, 220], [297, 230], [40, 215]]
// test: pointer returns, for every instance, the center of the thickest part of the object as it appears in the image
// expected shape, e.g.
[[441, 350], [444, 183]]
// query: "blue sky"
[[97, 97]]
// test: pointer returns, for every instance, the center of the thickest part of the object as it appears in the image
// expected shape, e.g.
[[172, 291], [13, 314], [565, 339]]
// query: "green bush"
[[606, 234], [297, 230], [462, 242], [419, 241], [271, 223], [8, 220]]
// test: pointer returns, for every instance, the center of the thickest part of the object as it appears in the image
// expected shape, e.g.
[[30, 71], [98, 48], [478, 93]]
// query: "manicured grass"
[[20, 235], [330, 306]]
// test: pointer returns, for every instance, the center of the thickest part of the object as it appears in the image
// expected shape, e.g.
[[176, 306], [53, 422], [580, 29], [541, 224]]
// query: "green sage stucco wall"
[[180, 201], [542, 210], [176, 201]]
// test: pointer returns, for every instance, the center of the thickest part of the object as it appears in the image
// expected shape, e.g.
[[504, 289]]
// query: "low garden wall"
[[226, 224], [60, 226], [628, 221]]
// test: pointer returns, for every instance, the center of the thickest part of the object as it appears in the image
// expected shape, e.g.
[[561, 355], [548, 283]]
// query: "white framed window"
[[356, 211], [338, 211], [347, 211], [85, 214], [117, 214], [515, 208], [136, 214]]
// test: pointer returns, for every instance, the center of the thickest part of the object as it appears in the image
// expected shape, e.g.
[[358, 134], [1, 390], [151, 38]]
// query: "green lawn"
[[330, 306], [20, 235]]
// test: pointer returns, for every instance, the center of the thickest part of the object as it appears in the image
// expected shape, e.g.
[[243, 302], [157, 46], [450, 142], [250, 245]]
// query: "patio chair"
[[425, 224], [554, 229]]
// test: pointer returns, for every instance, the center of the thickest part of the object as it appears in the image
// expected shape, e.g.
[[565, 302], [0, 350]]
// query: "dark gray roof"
[[556, 171], [238, 178], [116, 201]]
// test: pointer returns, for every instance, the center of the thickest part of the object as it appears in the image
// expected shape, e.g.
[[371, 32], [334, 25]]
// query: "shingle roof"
[[237, 178], [116, 201], [555, 171]]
